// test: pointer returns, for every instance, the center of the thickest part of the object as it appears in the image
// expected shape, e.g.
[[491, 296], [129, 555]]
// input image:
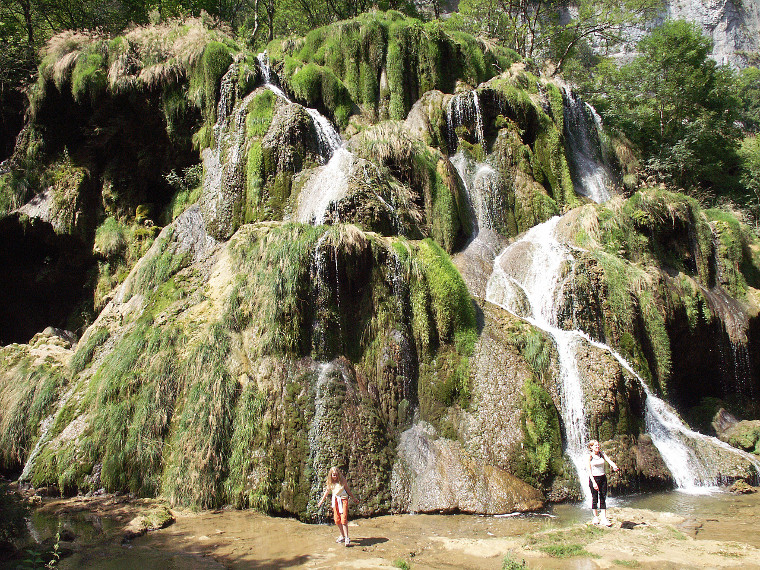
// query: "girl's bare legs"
[[344, 533]]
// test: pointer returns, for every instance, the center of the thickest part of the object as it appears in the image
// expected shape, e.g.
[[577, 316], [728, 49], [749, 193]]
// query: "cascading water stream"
[[329, 139], [464, 108], [582, 132], [667, 430], [44, 438], [527, 280], [330, 184], [530, 291]]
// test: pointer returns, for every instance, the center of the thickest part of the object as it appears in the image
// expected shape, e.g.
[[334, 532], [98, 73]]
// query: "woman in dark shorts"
[[598, 482]]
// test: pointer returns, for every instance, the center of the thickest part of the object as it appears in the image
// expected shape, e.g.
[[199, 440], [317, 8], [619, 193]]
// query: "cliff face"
[[733, 25]]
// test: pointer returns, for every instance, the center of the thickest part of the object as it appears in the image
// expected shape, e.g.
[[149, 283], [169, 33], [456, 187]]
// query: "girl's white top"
[[597, 465], [338, 491]]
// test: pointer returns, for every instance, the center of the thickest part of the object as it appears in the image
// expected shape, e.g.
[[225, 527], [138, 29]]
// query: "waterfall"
[[464, 109], [320, 456], [44, 438], [582, 131], [479, 180], [329, 139], [330, 183], [670, 435], [224, 162], [530, 290], [327, 186], [527, 280]]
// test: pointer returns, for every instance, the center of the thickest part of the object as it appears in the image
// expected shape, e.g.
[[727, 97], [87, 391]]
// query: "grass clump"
[[627, 563], [402, 564], [564, 550], [26, 401], [566, 543], [197, 460], [83, 356], [509, 563]]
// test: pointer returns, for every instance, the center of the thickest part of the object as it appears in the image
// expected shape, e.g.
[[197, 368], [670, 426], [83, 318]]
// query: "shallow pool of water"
[[243, 539]]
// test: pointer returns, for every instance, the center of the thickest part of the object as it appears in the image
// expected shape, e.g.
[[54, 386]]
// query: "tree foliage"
[[675, 104], [550, 29]]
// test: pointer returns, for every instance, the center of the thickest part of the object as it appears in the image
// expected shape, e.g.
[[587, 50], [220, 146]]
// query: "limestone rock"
[[744, 435], [723, 421], [153, 519], [434, 474]]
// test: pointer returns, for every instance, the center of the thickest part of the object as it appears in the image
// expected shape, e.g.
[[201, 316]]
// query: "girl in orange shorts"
[[341, 492]]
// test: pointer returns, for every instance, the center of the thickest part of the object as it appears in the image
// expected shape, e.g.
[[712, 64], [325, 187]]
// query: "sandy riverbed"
[[725, 533]]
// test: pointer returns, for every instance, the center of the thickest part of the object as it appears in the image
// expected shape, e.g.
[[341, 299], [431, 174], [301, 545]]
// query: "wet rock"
[[641, 465], [723, 421], [427, 118], [741, 488], [67, 535], [153, 519], [34, 501], [433, 474], [492, 429], [743, 435]]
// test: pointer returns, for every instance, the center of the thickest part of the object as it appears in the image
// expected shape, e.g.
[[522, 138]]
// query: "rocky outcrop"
[[434, 474], [743, 435]]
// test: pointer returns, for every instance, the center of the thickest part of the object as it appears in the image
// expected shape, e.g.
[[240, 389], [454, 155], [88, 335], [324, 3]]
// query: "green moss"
[[260, 112], [319, 87], [730, 243], [276, 264], [542, 457], [205, 80], [451, 302], [550, 164], [88, 79], [255, 207], [416, 56], [159, 266]]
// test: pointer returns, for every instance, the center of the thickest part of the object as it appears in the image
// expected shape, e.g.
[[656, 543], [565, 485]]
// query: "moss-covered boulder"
[[744, 435]]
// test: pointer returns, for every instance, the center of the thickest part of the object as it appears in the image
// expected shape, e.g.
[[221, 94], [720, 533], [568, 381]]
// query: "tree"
[[676, 104], [748, 90], [553, 29]]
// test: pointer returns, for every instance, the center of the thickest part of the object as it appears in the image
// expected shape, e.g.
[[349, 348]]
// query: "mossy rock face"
[[427, 118], [641, 465], [384, 62], [744, 435], [353, 190], [213, 347], [432, 181]]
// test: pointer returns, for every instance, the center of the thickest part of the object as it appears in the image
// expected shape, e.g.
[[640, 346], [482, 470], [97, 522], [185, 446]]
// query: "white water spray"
[[583, 134], [532, 290], [464, 108]]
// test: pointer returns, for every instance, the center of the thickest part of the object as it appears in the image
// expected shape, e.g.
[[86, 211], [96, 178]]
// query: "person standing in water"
[[598, 482], [337, 485]]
